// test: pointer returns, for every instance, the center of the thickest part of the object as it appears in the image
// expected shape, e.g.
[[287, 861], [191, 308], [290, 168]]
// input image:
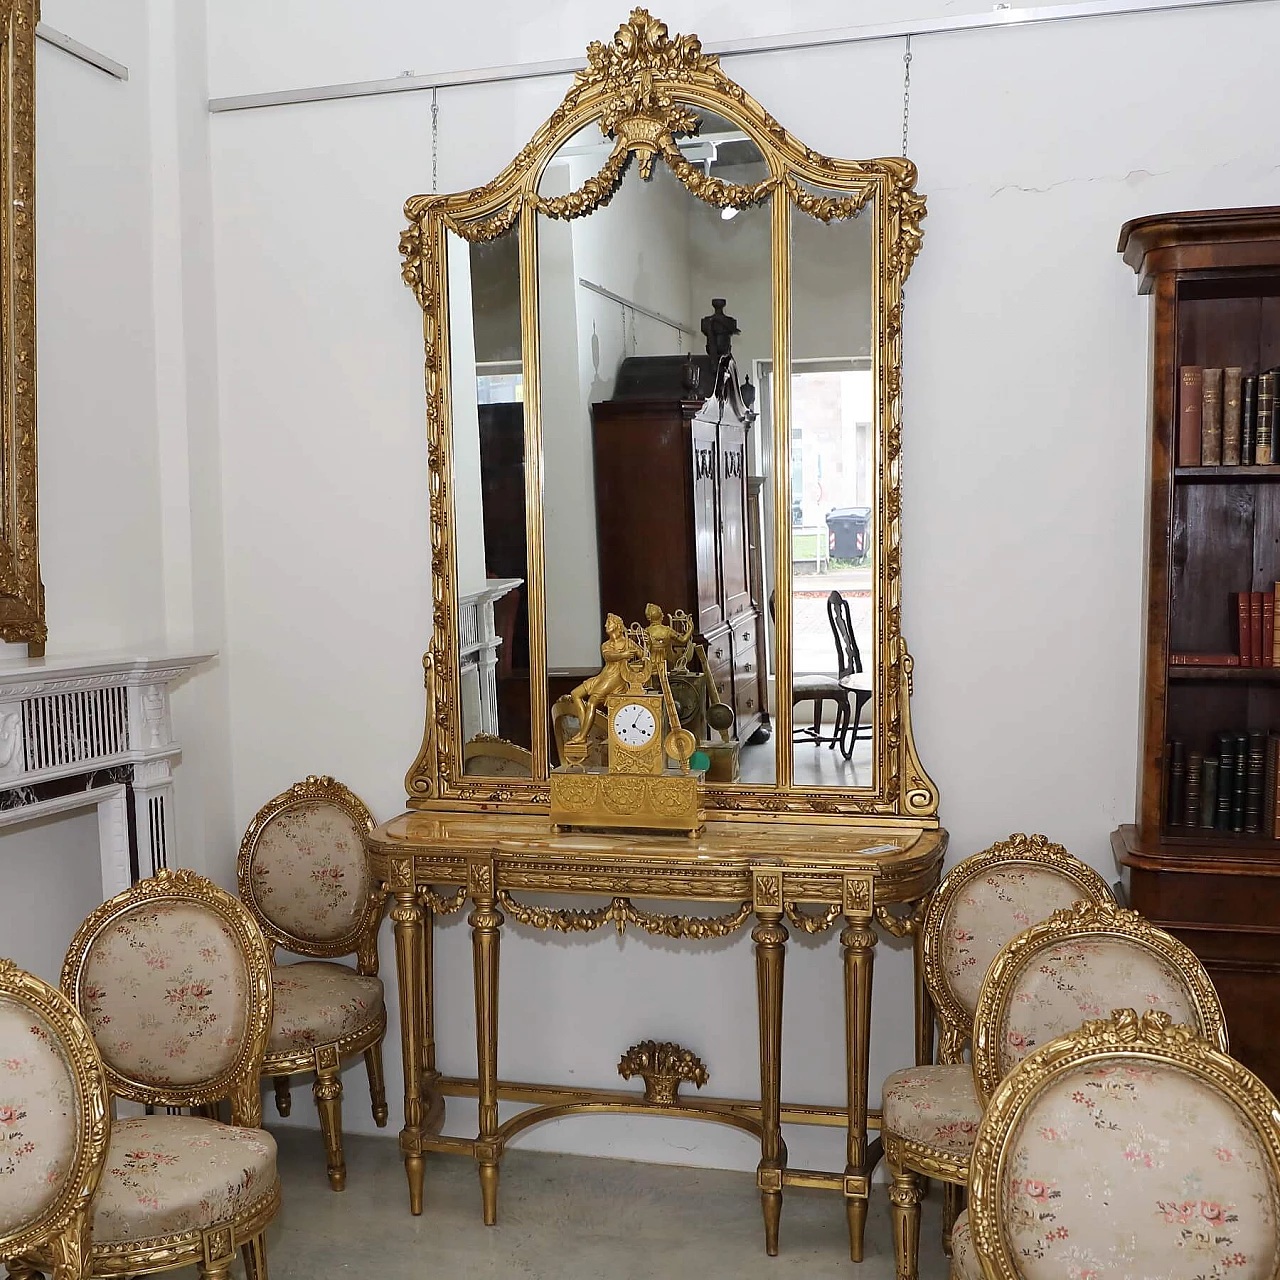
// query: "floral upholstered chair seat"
[[937, 1106], [321, 1003], [303, 874], [964, 1262], [168, 1174], [1130, 1148]]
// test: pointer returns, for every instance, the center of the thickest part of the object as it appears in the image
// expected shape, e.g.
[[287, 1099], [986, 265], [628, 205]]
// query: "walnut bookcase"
[[1214, 278]]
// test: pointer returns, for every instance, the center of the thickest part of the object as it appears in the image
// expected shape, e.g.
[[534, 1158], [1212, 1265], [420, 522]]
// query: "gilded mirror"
[[663, 353], [21, 591]]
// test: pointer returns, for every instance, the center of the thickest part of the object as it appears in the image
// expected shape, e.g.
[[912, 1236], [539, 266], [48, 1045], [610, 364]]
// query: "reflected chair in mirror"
[[1133, 1146], [1043, 984], [303, 874], [817, 687], [931, 1112], [495, 757], [54, 1128], [853, 680], [173, 977]]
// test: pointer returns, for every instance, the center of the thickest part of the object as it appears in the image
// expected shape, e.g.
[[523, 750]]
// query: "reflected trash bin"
[[847, 532]]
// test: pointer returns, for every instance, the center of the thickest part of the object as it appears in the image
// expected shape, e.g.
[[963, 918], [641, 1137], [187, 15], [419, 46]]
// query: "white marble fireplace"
[[94, 732]]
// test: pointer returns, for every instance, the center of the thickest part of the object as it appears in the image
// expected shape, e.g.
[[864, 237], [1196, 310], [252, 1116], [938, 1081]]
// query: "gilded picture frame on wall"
[[22, 612], [645, 89]]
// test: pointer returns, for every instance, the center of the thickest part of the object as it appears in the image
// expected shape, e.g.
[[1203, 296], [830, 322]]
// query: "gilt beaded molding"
[[642, 88]]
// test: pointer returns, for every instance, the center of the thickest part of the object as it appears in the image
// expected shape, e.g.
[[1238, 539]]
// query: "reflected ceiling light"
[[728, 213]]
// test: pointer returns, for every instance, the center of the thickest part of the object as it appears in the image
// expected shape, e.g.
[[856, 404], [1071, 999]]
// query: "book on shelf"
[[1211, 418], [1231, 786], [1248, 417], [1244, 631], [1190, 415], [1266, 418], [1231, 379], [1255, 628], [1268, 628], [1204, 659]]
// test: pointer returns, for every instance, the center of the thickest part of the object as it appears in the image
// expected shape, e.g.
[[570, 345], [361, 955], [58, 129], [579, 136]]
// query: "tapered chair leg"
[[952, 1203], [377, 1086], [254, 1253], [904, 1199], [328, 1095], [284, 1099]]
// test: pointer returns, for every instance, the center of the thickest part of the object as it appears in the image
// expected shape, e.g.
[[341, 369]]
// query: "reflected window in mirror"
[[655, 320], [489, 466], [832, 516]]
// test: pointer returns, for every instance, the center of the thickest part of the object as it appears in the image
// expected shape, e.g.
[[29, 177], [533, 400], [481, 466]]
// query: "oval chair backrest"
[[54, 1121], [1131, 1147], [173, 978], [981, 904], [302, 869], [1076, 966]]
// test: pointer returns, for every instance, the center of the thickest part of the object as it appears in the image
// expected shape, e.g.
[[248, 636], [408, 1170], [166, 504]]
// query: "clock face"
[[634, 725]]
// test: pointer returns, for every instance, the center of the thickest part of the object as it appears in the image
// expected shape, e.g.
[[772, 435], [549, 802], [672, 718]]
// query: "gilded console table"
[[809, 876]]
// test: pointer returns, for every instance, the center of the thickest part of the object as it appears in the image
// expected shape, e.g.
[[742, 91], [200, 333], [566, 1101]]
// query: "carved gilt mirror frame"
[[640, 88], [21, 591]]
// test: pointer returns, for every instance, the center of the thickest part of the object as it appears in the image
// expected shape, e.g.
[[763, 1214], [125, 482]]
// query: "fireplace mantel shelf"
[[94, 729]]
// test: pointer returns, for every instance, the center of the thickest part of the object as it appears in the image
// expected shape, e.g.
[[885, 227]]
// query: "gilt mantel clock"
[[575, 279]]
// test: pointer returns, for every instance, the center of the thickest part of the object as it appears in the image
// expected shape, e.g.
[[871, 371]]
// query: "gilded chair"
[[1131, 1147], [1044, 983], [54, 1127], [173, 977], [303, 875], [931, 1113]]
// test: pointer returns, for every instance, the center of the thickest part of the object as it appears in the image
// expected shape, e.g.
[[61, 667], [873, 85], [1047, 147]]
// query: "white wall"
[[1025, 427]]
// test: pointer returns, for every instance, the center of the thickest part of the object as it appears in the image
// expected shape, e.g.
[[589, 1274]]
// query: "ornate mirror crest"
[[21, 591], [646, 90]]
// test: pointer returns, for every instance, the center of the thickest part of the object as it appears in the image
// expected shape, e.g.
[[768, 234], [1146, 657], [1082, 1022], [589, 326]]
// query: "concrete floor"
[[567, 1217]]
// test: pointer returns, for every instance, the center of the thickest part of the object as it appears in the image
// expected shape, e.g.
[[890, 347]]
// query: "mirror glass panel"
[[655, 323], [833, 447], [487, 401]]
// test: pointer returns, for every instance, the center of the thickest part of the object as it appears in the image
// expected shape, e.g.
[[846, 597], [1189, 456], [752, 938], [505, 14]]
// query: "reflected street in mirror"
[[655, 322], [833, 495]]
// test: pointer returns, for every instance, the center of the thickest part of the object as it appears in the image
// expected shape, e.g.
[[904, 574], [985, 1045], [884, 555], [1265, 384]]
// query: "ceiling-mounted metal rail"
[[997, 18], [82, 51]]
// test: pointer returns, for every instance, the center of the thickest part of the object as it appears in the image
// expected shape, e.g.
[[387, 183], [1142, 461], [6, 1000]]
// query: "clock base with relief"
[[650, 782]]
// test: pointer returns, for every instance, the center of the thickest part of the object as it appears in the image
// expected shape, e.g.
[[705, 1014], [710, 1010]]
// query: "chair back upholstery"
[[54, 1119], [498, 758], [982, 903], [1073, 967], [173, 977], [848, 658], [303, 873], [1131, 1147]]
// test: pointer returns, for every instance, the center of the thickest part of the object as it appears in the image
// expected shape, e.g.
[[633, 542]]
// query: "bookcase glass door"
[[1223, 699]]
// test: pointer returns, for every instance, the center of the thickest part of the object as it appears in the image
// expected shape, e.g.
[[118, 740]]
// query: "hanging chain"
[[906, 94], [435, 141]]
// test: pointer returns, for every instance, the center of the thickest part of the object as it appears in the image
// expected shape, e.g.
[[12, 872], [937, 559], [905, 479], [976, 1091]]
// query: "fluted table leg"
[[770, 937], [924, 1002], [858, 941], [486, 924], [408, 917]]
